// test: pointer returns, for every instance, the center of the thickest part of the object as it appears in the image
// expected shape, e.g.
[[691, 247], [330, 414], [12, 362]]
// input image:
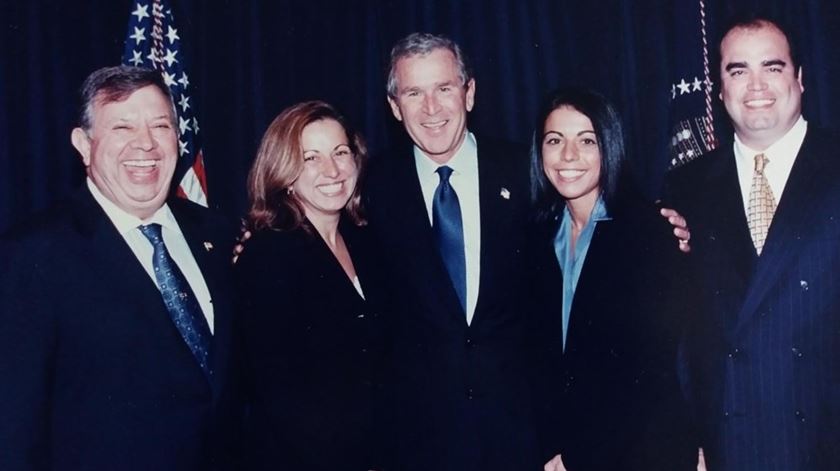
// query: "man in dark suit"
[[114, 307], [763, 365], [449, 215]]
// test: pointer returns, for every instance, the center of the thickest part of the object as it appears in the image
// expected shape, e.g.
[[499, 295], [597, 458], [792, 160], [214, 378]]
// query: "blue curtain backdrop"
[[250, 59]]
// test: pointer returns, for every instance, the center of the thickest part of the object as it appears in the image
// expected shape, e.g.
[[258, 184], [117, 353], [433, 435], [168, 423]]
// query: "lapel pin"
[[505, 193], [208, 246]]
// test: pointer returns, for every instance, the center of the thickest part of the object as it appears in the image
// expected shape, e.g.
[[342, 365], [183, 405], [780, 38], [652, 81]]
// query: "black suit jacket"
[[458, 393], [93, 373], [764, 368], [312, 349], [612, 400]]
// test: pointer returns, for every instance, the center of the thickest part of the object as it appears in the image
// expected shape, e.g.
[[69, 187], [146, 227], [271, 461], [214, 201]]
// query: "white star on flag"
[[139, 35], [696, 85], [136, 60], [184, 102], [683, 86], [172, 35], [195, 125], [168, 78], [170, 57], [182, 148], [183, 124], [141, 12], [183, 80]]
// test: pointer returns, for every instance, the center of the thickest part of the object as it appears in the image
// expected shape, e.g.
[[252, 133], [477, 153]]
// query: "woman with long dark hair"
[[606, 293]]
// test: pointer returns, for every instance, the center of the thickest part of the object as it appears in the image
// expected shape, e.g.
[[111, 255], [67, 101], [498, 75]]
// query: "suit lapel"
[[731, 232], [204, 248], [496, 208], [794, 215]]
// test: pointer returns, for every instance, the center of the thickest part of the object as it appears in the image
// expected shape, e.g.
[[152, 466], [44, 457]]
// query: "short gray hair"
[[421, 44]]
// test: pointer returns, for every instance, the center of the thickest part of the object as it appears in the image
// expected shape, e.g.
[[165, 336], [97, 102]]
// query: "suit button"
[[734, 353], [800, 416], [469, 342], [470, 393]]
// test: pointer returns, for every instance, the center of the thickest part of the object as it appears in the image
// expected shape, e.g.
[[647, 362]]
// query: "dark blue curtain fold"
[[251, 59]]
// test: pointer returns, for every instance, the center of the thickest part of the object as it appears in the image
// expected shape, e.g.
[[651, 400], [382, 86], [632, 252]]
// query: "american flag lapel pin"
[[505, 193], [208, 246]]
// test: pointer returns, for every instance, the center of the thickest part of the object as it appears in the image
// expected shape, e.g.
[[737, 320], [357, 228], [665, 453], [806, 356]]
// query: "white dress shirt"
[[464, 181], [127, 226], [780, 156]]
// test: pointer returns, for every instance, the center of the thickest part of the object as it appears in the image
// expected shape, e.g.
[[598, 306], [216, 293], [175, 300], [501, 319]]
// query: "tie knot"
[[444, 171], [761, 161], [152, 232]]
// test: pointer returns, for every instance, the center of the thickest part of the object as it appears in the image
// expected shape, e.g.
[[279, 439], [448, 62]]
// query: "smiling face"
[[759, 86], [131, 150], [432, 102], [571, 157], [329, 171]]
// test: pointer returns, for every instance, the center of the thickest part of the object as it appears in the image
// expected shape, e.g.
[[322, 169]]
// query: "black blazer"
[[612, 400], [764, 369], [311, 347], [458, 393], [93, 373]]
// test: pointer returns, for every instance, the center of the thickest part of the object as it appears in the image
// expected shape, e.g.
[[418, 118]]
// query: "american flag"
[[153, 42], [692, 120]]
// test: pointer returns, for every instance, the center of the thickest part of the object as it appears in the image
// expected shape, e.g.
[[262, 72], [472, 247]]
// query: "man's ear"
[[395, 108], [470, 95], [81, 142], [799, 79]]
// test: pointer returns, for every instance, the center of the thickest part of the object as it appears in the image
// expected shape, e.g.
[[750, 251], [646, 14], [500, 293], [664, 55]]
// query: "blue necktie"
[[449, 231], [180, 300]]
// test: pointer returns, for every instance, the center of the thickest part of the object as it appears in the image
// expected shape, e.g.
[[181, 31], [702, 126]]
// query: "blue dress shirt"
[[572, 263]]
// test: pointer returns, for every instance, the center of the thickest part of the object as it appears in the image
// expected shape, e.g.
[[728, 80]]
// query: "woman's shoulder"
[[272, 244], [640, 219]]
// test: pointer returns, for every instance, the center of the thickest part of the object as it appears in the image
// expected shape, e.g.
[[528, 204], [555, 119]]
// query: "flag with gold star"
[[153, 42]]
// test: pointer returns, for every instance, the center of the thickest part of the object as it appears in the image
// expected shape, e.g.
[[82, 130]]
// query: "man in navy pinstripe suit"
[[764, 353]]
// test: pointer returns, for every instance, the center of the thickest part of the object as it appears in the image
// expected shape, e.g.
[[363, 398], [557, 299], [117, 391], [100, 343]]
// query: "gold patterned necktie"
[[762, 204]]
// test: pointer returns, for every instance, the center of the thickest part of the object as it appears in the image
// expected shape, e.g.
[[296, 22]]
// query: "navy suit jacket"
[[612, 399], [765, 346], [93, 373], [458, 393]]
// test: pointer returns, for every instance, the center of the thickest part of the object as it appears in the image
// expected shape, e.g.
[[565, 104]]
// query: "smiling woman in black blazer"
[[606, 269], [310, 339]]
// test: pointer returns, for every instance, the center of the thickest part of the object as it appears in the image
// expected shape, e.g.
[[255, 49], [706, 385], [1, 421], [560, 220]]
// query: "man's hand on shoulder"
[[244, 235], [681, 231]]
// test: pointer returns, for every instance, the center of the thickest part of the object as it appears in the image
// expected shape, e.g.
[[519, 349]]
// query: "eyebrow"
[[735, 65], [772, 62]]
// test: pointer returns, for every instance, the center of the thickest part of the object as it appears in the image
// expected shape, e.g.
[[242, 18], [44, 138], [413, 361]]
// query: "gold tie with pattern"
[[762, 204]]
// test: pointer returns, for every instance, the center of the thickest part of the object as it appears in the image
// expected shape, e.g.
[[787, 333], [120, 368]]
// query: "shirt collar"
[[465, 160], [785, 148], [599, 212], [125, 222]]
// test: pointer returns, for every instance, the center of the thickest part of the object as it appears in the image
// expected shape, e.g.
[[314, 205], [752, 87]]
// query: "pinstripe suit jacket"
[[765, 347]]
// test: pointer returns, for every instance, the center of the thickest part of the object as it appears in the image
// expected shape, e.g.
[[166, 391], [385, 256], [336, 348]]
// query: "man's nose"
[[143, 139]]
